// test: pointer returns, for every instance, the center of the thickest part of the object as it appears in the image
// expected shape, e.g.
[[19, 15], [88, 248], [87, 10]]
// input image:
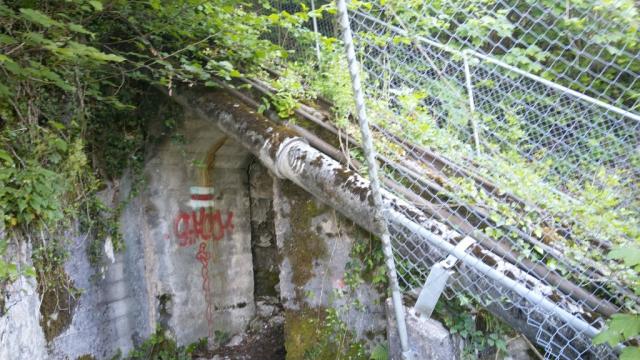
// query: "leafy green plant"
[[221, 337], [480, 330], [335, 340], [624, 327], [380, 352], [9, 271], [160, 346]]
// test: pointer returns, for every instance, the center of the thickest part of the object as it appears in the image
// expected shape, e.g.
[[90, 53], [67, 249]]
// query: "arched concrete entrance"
[[200, 188]]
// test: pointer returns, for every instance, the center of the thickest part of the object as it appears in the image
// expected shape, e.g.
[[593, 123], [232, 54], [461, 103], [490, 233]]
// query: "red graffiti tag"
[[203, 257], [204, 225]]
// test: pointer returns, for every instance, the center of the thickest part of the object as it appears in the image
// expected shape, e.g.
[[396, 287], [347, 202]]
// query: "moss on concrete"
[[58, 301], [300, 333], [85, 357], [305, 244], [309, 335]]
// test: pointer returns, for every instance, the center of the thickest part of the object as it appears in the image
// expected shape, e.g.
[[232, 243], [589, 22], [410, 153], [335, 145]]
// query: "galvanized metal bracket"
[[437, 279]]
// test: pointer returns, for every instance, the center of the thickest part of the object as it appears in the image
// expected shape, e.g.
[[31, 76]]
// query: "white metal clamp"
[[437, 279]]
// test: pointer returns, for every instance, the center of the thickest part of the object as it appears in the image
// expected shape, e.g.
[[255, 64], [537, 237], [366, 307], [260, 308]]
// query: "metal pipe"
[[446, 215], [491, 273], [289, 156]]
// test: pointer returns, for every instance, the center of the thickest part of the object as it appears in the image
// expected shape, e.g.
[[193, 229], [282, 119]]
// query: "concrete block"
[[114, 272], [115, 291], [120, 308], [428, 339]]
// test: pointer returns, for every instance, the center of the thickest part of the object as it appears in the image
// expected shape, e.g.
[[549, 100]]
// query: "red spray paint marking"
[[203, 256], [206, 226], [203, 225]]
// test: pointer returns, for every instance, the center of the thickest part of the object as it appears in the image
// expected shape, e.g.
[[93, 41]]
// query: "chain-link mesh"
[[303, 42], [514, 123]]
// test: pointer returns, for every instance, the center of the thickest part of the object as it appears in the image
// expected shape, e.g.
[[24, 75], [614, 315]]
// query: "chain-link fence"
[[515, 125], [512, 130], [304, 43]]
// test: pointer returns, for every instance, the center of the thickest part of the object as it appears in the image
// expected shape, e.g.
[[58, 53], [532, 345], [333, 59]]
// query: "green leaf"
[[97, 5], [37, 17], [4, 91], [6, 157], [60, 144], [607, 336], [620, 327], [155, 4], [10, 65], [630, 353], [29, 271], [630, 255], [74, 49], [56, 125], [7, 40], [380, 352], [627, 324], [37, 70], [79, 29]]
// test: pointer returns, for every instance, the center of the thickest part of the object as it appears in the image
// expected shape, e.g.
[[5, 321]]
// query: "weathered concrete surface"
[[161, 277], [315, 243], [21, 336], [263, 239], [428, 339], [519, 349], [112, 313], [203, 272]]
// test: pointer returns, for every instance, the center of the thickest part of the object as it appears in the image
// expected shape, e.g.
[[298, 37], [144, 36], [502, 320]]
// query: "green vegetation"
[[321, 335], [483, 333], [161, 346], [74, 81], [556, 40], [75, 84], [74, 97]]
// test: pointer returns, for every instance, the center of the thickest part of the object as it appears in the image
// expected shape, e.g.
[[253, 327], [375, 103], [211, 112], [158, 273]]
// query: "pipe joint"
[[289, 161]]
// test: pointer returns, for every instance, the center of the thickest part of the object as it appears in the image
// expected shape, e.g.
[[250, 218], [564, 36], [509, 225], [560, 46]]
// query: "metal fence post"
[[369, 152], [315, 32], [472, 106]]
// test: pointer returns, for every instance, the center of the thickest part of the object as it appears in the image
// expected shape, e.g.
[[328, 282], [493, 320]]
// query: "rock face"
[[21, 336], [112, 311], [20, 332]]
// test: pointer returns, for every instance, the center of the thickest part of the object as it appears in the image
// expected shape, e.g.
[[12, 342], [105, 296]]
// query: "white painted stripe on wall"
[[196, 204], [201, 190]]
